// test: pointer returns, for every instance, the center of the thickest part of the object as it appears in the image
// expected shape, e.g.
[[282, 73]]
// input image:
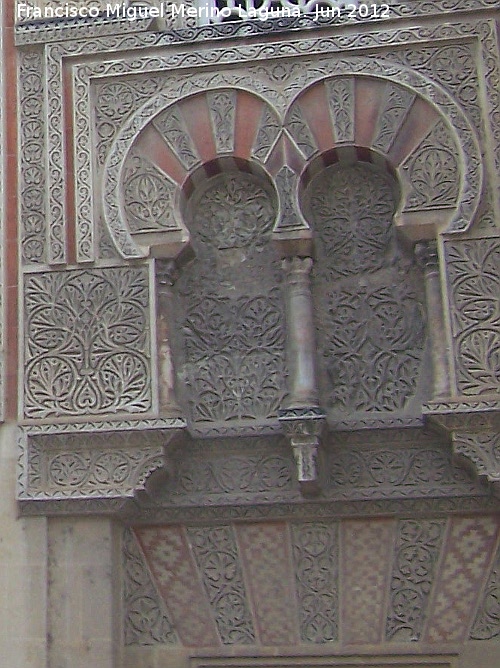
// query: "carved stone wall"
[[342, 584], [164, 171]]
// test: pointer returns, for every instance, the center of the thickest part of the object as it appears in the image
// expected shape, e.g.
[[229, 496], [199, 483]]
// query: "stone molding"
[[44, 31], [97, 466], [474, 430]]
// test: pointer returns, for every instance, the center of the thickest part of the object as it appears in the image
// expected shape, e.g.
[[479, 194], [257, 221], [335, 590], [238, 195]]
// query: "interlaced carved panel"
[[415, 560], [146, 620], [352, 209], [216, 553], [475, 287], [301, 132], [32, 156], [87, 348], [433, 171], [370, 317], [340, 93], [395, 108], [115, 102], [453, 66], [267, 132], [148, 196], [315, 553], [231, 316]]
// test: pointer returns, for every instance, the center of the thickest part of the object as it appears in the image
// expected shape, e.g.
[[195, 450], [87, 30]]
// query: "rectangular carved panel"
[[87, 349]]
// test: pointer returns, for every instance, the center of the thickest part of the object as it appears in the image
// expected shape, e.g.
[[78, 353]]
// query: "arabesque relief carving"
[[232, 360], [87, 349], [370, 315]]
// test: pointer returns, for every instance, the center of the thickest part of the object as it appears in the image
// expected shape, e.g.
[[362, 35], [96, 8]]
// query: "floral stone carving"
[[87, 348], [230, 314], [370, 324]]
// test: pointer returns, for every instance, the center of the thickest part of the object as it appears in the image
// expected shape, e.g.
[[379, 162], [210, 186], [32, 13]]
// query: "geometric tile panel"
[[177, 580], [467, 553], [266, 559], [366, 561], [487, 622]]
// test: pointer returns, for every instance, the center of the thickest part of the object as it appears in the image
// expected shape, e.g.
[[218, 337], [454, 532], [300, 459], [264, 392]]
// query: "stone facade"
[[251, 380]]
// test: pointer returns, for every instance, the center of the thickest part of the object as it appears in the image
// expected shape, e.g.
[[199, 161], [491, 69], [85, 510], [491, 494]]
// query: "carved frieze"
[[32, 176], [107, 461]]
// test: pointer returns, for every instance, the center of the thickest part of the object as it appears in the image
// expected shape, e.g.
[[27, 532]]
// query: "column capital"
[[426, 253]]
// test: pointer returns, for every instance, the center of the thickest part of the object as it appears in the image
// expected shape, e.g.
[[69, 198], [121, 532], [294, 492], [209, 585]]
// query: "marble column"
[[427, 256]]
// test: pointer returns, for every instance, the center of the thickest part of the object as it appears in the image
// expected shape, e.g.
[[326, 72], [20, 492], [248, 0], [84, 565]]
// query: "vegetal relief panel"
[[148, 196], [368, 294], [229, 307], [473, 270], [87, 349]]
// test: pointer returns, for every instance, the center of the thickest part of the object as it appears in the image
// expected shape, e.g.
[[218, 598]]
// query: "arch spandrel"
[[376, 119]]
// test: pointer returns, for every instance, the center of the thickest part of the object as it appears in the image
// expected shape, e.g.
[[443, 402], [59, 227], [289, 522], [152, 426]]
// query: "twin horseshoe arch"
[[390, 116]]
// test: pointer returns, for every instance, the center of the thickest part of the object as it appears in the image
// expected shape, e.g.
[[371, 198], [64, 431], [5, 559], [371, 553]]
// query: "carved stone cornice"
[[90, 467], [480, 451], [474, 429], [463, 414], [41, 31]]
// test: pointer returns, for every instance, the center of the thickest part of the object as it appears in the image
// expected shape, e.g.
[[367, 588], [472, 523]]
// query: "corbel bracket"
[[474, 430], [303, 428]]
